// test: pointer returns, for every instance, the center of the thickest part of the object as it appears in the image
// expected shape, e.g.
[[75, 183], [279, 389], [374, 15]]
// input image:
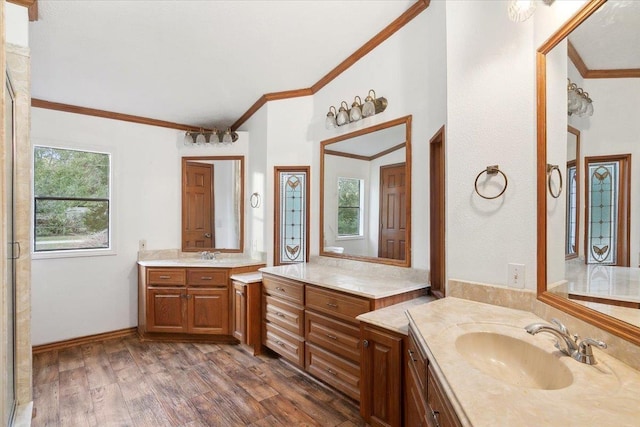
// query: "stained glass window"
[[603, 215], [293, 217], [572, 211]]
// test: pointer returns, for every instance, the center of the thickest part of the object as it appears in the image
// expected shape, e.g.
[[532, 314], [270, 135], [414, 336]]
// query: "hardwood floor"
[[125, 382]]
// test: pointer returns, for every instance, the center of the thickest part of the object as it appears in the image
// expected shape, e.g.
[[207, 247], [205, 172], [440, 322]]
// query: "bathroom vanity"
[[189, 298], [309, 317]]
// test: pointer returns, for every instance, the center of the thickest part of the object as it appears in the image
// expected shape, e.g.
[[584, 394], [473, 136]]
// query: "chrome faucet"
[[210, 255], [578, 350]]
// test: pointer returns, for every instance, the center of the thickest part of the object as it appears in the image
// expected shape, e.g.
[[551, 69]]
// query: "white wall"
[[75, 297], [17, 22]]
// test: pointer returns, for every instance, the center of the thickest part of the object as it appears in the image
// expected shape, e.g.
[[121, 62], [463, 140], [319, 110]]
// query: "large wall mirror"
[[589, 235], [365, 194], [213, 204]]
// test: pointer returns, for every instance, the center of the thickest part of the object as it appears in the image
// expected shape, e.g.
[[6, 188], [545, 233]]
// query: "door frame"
[[437, 214]]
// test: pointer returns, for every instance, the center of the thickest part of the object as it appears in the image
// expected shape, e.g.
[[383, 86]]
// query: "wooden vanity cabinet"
[[186, 302], [283, 317], [332, 333], [425, 401], [247, 314], [381, 369]]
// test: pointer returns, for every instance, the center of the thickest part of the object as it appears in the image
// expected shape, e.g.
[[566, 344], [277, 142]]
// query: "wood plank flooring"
[[125, 382]]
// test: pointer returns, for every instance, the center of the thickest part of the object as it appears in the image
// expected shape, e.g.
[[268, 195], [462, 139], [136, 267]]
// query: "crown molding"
[[586, 73]]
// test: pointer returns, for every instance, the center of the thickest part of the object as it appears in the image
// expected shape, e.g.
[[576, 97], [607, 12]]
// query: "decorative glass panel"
[[293, 217], [603, 203], [572, 211]]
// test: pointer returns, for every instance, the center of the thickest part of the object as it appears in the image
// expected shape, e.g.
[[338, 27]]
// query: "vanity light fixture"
[[215, 136], [521, 10], [578, 101], [358, 110]]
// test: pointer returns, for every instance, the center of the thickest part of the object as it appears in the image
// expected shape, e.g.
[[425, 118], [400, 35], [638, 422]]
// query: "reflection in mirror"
[[366, 194], [213, 203], [597, 278], [572, 238]]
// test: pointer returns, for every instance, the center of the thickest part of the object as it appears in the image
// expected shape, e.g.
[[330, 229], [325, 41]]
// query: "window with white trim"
[[72, 199]]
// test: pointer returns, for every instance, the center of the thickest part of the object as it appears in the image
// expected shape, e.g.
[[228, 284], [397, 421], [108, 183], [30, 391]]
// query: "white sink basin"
[[513, 361]]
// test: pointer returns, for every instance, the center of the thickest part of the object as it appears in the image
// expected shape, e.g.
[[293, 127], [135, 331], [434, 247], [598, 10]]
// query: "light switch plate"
[[515, 275]]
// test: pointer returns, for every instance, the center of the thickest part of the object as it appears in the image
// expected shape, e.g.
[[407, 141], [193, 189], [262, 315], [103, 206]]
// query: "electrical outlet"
[[515, 275], [142, 245]]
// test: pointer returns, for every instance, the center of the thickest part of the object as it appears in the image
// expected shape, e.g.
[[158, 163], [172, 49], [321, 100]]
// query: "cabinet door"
[[208, 311], [381, 370], [166, 310], [240, 312], [415, 406]]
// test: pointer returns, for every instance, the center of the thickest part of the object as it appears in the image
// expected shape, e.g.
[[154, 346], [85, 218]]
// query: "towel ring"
[[492, 170], [550, 169], [255, 200]]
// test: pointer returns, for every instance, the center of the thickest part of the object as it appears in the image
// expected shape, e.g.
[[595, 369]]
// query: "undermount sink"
[[513, 361]]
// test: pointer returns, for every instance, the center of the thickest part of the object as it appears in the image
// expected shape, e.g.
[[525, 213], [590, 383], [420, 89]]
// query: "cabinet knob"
[[413, 359], [207, 235], [365, 343]]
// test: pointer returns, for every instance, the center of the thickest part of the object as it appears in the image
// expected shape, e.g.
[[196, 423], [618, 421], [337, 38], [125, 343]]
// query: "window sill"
[[343, 238], [73, 253]]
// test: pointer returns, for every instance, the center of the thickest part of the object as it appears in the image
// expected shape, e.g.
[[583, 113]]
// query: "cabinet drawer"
[[336, 371], [340, 305], [443, 413], [286, 289], [288, 316], [288, 346], [211, 277], [339, 337], [417, 361], [166, 277]]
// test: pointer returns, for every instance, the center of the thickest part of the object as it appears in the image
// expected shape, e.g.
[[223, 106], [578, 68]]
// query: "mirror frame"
[[242, 180], [406, 120], [610, 324]]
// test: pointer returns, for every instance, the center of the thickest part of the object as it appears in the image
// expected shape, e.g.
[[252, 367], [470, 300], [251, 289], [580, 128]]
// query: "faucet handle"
[[560, 326], [584, 353]]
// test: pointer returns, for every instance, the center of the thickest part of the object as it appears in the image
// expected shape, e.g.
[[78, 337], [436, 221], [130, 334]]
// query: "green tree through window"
[[349, 198], [71, 190]]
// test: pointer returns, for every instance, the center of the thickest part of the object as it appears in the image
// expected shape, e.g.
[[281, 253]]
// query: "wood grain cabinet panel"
[[381, 370], [335, 303], [240, 312], [210, 277], [416, 412], [285, 289], [341, 337], [441, 410], [166, 277], [208, 311], [287, 345], [336, 371], [165, 310], [284, 314]]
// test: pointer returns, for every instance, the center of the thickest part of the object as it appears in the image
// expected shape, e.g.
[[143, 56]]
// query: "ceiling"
[[202, 63], [610, 38], [371, 144]]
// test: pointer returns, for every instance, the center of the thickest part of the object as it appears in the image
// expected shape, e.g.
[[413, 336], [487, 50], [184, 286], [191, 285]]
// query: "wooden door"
[[437, 214], [381, 383], [393, 212], [165, 310], [198, 206], [208, 311]]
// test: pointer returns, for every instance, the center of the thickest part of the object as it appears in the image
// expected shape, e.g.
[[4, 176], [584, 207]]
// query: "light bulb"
[[201, 139], [369, 108], [188, 139], [227, 138], [342, 117], [330, 121], [355, 113]]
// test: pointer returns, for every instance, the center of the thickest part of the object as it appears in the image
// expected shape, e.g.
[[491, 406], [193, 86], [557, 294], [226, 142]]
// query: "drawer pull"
[[332, 305], [280, 343], [277, 313], [435, 415], [278, 288], [333, 337], [411, 355], [164, 277], [332, 372], [206, 278]]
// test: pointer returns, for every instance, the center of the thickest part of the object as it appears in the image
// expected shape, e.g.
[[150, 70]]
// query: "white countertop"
[[252, 277], [195, 262], [341, 279], [603, 281], [606, 394], [393, 318]]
